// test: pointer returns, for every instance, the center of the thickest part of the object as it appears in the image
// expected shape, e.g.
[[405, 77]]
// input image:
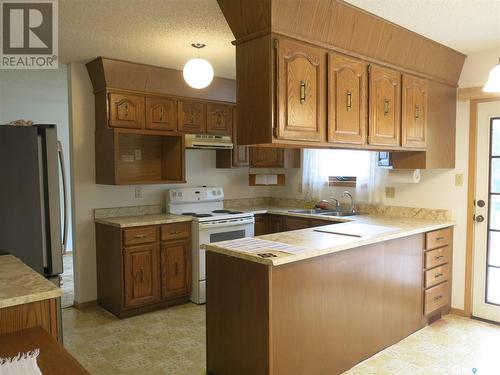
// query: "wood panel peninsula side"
[[325, 310]]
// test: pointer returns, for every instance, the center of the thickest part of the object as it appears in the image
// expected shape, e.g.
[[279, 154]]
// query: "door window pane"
[[495, 175], [493, 286], [494, 249], [495, 212], [495, 138]]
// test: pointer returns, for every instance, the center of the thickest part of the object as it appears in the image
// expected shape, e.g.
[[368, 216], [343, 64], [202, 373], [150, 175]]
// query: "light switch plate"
[[390, 192], [138, 192], [459, 179]]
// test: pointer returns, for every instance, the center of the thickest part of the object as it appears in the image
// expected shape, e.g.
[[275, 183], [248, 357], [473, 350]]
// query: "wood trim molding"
[[475, 93], [458, 312]]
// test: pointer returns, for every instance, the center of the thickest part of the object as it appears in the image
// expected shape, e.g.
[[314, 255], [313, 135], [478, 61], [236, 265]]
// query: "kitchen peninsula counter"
[[335, 303]]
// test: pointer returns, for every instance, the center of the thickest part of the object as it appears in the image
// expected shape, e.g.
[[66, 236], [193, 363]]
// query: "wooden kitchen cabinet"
[[151, 272], [295, 223], [161, 113], [300, 80], [192, 117], [219, 119], [126, 110], [385, 106], [264, 157], [414, 112], [274, 224], [261, 225], [175, 268], [141, 275], [347, 100]]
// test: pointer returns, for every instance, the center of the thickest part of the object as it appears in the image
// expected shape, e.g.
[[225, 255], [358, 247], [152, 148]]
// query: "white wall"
[[40, 96], [200, 169]]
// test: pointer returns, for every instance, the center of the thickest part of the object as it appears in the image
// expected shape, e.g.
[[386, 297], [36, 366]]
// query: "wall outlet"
[[390, 192], [459, 179], [138, 192]]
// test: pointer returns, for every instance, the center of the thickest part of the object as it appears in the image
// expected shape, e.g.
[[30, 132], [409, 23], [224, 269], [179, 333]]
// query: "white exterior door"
[[486, 277]]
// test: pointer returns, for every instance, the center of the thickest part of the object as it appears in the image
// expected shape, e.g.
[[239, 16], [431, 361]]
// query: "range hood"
[[210, 142]]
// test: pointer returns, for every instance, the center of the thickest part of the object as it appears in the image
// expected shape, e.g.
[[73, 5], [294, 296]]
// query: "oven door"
[[222, 231]]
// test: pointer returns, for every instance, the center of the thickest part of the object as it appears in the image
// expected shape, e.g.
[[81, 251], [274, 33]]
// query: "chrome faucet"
[[336, 201], [347, 194]]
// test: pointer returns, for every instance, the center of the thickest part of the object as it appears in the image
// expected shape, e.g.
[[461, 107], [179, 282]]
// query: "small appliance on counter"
[[211, 223]]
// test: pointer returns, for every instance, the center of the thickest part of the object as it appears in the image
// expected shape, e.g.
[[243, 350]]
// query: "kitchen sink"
[[319, 211]]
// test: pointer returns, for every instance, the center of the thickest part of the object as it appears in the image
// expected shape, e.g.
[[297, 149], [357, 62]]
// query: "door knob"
[[480, 203], [479, 218]]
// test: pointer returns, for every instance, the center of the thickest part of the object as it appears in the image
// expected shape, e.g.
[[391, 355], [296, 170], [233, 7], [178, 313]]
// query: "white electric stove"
[[211, 223]]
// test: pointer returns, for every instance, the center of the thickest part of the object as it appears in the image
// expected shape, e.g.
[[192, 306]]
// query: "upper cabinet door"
[[126, 111], [385, 107], [219, 119], [300, 91], [414, 118], [161, 113], [347, 109], [240, 153], [192, 117]]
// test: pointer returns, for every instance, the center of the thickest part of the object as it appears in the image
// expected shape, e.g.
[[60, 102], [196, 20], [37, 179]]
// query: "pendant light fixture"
[[493, 83], [198, 73]]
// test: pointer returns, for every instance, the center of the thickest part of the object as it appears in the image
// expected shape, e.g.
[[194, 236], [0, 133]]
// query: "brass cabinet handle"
[[139, 236], [302, 92], [349, 100], [438, 275], [417, 111], [126, 110], [161, 114], [176, 268], [386, 107]]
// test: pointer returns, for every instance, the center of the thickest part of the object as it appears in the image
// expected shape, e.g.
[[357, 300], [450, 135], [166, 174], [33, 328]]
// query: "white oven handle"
[[226, 224]]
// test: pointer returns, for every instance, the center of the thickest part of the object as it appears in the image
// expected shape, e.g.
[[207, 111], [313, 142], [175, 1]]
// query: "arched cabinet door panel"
[[126, 111], [385, 107], [161, 113], [347, 100], [414, 117], [300, 75]]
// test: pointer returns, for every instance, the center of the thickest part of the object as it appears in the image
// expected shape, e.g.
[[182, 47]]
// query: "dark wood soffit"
[[343, 27], [118, 74]]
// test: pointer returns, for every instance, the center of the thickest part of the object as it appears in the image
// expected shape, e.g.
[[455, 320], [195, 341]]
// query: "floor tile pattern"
[[172, 342]]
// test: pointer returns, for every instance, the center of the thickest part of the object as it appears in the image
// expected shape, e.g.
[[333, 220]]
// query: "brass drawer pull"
[[302, 92], [438, 297], [386, 107], [349, 100], [139, 236], [176, 232], [417, 111], [439, 257], [439, 238], [438, 275]]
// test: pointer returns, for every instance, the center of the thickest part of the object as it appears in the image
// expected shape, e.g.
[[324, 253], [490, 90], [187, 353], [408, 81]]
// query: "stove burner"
[[226, 212], [196, 215]]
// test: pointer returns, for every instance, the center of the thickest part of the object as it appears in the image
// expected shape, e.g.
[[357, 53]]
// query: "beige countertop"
[[278, 210], [19, 284], [141, 220], [320, 243]]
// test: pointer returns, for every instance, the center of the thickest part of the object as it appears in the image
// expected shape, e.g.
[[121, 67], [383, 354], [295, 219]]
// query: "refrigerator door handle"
[[60, 152]]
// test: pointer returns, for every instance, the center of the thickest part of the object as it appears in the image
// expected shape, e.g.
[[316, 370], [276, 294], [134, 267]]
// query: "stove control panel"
[[195, 194]]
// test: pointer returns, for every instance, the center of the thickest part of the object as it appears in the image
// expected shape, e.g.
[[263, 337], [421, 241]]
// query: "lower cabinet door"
[[141, 275], [295, 223], [175, 268]]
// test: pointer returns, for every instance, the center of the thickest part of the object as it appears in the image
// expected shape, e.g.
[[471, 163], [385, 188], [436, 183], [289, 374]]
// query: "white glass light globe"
[[198, 73], [493, 83]]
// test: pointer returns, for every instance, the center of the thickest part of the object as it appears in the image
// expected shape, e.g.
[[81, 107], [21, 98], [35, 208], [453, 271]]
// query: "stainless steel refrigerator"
[[31, 166]]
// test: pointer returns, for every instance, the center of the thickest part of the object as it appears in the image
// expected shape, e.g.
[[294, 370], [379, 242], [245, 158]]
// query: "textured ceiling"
[[160, 32], [155, 32], [465, 25]]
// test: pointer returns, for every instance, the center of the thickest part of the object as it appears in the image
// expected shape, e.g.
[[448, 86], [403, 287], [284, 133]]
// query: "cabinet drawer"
[[437, 257], [436, 297], [438, 238], [136, 236], [175, 231], [437, 275]]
